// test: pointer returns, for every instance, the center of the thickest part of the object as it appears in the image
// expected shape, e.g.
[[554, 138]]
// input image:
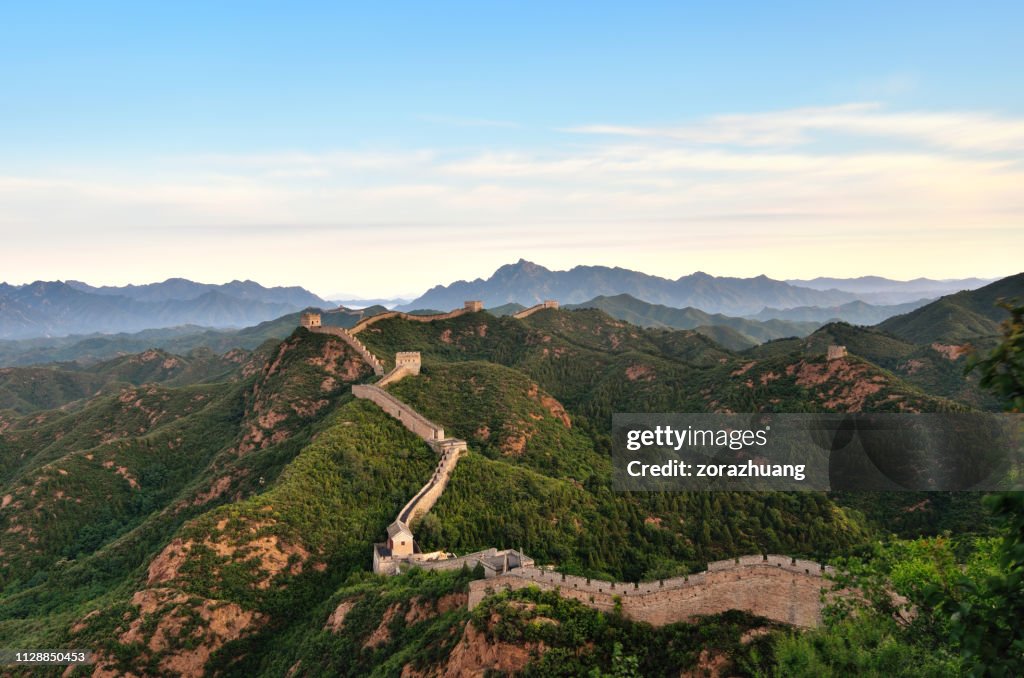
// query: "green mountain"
[[637, 312], [958, 318], [179, 340], [855, 312], [936, 369], [27, 389], [57, 308], [224, 523]]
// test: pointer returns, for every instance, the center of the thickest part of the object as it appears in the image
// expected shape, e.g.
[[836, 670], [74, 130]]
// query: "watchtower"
[[400, 539], [835, 352], [309, 320], [473, 306], [550, 303], [409, 360]]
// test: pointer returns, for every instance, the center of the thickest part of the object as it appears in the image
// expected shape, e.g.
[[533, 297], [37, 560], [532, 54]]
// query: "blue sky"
[[221, 140]]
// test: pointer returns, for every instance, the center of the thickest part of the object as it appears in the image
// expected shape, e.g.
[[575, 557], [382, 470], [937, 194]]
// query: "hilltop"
[[959, 317], [745, 332]]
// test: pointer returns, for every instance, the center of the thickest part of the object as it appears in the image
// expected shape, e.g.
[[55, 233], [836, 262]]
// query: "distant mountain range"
[[855, 312], [878, 290], [745, 332], [528, 283], [62, 308]]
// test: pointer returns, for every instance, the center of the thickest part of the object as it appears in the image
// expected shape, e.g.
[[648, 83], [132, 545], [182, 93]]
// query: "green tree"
[[1002, 370]]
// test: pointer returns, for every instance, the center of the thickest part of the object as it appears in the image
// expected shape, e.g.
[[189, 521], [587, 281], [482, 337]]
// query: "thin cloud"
[[957, 130]]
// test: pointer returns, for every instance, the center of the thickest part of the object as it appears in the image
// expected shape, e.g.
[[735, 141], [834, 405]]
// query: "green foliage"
[[581, 641], [299, 462], [858, 646], [29, 389], [1002, 370]]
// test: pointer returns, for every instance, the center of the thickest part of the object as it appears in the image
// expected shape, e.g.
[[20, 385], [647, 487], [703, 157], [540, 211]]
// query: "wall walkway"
[[527, 312], [366, 322], [776, 587]]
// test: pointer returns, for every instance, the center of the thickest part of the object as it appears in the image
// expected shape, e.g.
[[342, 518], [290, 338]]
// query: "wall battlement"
[[431, 492], [527, 312], [410, 418], [776, 587], [468, 307]]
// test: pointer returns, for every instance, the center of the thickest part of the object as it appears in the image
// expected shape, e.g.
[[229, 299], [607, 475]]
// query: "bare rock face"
[[476, 655], [164, 626]]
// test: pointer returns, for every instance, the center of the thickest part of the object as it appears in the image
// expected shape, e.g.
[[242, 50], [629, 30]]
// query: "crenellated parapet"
[[777, 587], [468, 307], [407, 416], [527, 312]]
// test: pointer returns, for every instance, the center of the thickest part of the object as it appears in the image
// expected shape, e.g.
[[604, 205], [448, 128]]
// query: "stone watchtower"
[[473, 306], [400, 541], [410, 360], [550, 303], [309, 320], [835, 352]]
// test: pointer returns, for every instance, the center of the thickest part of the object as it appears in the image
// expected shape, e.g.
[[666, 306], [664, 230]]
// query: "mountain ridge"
[[56, 308], [528, 283]]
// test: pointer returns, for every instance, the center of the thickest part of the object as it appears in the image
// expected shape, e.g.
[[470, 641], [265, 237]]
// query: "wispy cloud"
[[916, 193], [958, 130]]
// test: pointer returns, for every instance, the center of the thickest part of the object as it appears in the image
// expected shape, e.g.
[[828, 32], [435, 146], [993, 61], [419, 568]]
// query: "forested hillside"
[[216, 513]]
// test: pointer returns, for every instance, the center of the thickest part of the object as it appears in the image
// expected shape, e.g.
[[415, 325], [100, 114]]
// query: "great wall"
[[527, 312], [776, 587]]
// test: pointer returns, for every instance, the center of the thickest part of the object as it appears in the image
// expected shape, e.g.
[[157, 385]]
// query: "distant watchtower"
[[473, 306], [410, 360], [310, 320], [550, 303], [835, 352]]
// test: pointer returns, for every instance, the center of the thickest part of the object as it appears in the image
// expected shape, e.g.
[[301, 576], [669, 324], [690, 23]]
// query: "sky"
[[375, 151]]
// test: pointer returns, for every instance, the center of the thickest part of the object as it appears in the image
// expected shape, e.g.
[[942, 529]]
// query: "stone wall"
[[410, 418], [366, 322], [431, 492], [776, 588], [397, 374], [346, 336], [526, 312]]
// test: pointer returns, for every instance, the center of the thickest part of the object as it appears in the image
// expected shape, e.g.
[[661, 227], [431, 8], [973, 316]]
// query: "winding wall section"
[[783, 589], [776, 587]]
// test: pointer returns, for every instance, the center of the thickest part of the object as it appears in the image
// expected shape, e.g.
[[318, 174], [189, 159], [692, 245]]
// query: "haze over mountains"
[[58, 309], [61, 308], [528, 283], [878, 290]]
